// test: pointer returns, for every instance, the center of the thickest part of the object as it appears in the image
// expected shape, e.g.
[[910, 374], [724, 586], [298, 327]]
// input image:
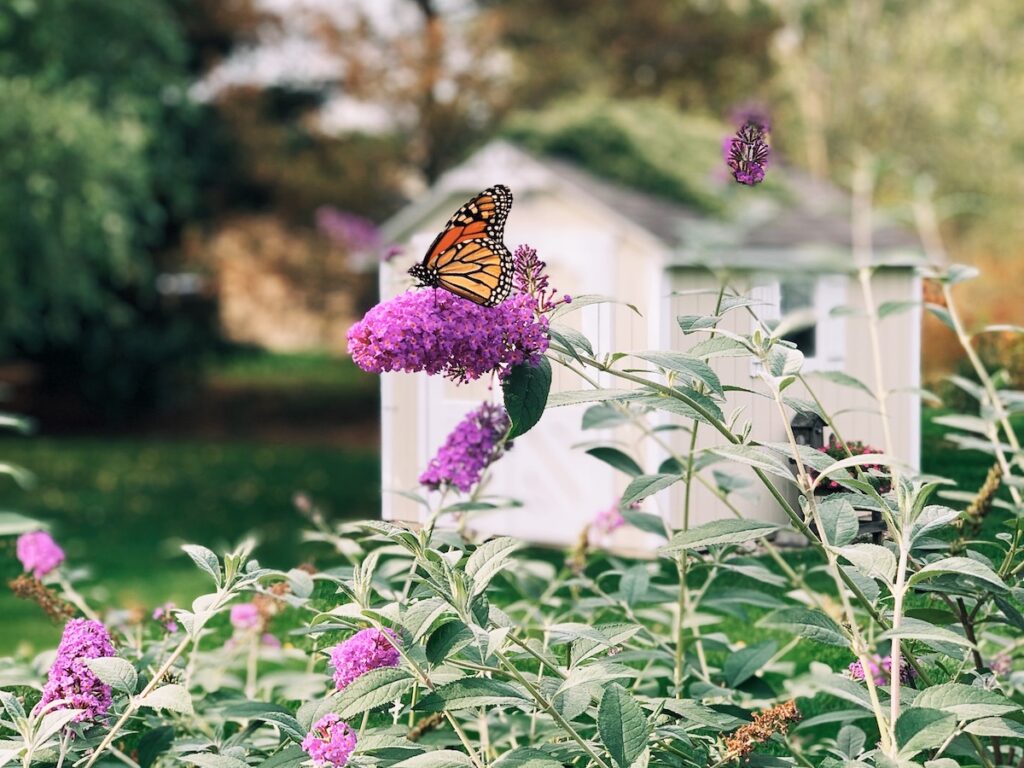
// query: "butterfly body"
[[468, 257]]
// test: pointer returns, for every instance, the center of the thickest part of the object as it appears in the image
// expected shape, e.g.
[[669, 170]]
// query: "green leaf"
[[839, 521], [470, 693], [942, 313], [921, 728], [845, 380], [690, 323], [996, 726], [153, 744], [687, 365], [814, 625], [719, 532], [616, 459], [647, 485], [526, 757], [645, 521], [446, 640], [622, 725], [873, 560], [440, 758], [887, 308], [374, 689], [205, 559], [289, 757], [13, 524], [959, 566], [965, 702], [488, 560], [526, 391], [421, 617], [210, 760], [172, 697], [634, 584], [755, 456], [115, 672], [602, 415], [746, 662], [577, 396], [851, 740]]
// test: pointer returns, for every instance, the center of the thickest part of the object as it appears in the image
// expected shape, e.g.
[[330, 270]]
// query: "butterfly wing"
[[479, 269], [482, 217]]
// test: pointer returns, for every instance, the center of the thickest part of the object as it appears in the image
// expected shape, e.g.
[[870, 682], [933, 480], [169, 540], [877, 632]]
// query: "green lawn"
[[123, 507]]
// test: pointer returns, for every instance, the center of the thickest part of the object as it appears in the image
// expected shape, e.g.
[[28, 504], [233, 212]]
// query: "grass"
[[302, 370]]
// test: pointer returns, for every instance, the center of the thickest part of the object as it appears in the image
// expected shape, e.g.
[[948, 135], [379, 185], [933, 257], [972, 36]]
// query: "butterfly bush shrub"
[[436, 647]]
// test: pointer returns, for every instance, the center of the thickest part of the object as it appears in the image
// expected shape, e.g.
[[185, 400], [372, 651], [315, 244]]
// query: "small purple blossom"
[[747, 152], [530, 278], [245, 616], [472, 446], [270, 641], [164, 614], [70, 680], [608, 520], [357, 234], [39, 553], [1001, 665], [330, 742], [880, 668], [435, 331], [366, 650]]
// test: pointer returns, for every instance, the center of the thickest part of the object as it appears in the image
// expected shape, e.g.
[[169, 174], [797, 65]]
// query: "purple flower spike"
[[366, 650], [330, 742], [531, 279], [472, 446], [39, 553], [747, 152], [70, 678], [438, 332]]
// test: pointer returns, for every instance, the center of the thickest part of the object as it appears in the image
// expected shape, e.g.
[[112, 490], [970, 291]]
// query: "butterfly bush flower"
[[880, 669], [164, 615], [530, 278], [245, 616], [435, 331], [472, 446], [608, 520], [746, 153], [366, 650], [330, 742], [70, 678], [39, 553]]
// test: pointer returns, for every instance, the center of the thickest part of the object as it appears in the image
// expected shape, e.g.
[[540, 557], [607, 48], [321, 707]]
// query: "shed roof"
[[808, 226]]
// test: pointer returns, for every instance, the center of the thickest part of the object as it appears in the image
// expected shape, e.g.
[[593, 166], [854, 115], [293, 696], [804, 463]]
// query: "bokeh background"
[[190, 192]]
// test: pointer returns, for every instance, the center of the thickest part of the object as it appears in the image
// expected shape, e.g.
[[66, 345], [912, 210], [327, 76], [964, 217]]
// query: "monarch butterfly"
[[469, 257]]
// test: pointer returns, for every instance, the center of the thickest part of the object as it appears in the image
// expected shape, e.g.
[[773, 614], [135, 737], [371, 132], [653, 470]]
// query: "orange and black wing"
[[482, 217], [479, 270]]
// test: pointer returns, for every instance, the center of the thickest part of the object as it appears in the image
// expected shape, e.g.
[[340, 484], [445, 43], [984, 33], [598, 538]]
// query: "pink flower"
[[880, 668], [39, 553], [164, 614], [330, 742], [608, 520], [366, 650], [70, 679], [245, 616], [471, 447]]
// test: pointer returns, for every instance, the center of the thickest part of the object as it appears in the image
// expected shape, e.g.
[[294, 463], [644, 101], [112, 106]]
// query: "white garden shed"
[[601, 237]]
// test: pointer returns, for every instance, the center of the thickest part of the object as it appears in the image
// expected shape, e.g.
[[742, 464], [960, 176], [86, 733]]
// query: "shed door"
[[560, 488]]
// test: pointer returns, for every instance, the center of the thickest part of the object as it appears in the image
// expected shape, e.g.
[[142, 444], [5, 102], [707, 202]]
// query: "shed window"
[[823, 343]]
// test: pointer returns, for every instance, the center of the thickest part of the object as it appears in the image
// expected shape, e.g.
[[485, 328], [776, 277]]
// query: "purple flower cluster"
[[880, 668], [438, 332], [39, 553], [330, 742], [746, 153], [366, 650], [531, 279], [608, 520], [245, 616], [70, 678], [472, 446]]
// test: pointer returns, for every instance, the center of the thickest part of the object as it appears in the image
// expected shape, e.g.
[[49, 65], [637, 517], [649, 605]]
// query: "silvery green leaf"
[[376, 688], [719, 533], [489, 559], [850, 741], [925, 632], [920, 728], [471, 693], [812, 624], [693, 368], [839, 521], [616, 459], [205, 559], [173, 697], [526, 757], [965, 701], [873, 560], [758, 457], [647, 485], [301, 583], [440, 758], [52, 723], [959, 566], [210, 760], [996, 726], [115, 672], [622, 725], [747, 662]]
